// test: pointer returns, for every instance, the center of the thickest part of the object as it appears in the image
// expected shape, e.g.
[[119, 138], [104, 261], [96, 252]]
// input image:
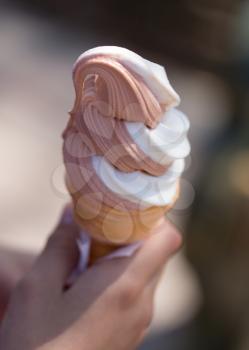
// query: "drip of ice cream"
[[125, 144]]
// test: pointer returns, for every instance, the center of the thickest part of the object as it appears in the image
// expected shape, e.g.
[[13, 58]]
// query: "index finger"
[[155, 252]]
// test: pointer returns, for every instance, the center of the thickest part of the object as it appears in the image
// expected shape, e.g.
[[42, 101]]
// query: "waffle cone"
[[112, 227]]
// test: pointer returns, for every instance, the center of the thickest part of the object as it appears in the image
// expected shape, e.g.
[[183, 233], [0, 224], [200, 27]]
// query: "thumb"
[[60, 254], [155, 253]]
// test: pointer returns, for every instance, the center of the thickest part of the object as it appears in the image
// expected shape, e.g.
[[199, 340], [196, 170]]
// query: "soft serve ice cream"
[[124, 145]]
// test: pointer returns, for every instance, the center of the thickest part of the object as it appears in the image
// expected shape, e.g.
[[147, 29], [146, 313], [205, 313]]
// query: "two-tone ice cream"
[[124, 145]]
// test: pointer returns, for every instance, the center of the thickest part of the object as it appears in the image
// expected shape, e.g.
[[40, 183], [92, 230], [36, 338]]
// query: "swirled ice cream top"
[[124, 129]]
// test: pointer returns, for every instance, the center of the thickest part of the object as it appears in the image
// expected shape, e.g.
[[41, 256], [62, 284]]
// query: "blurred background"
[[203, 300]]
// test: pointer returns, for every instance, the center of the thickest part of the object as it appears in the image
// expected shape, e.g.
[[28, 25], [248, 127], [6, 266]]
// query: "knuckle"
[[128, 292], [58, 240], [61, 246]]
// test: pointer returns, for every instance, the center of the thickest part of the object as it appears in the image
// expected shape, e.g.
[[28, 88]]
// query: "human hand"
[[13, 265], [109, 307]]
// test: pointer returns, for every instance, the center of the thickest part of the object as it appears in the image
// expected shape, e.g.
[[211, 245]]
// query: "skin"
[[13, 266], [110, 306]]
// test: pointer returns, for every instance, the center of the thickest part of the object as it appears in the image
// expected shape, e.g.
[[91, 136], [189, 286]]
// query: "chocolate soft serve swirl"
[[124, 145]]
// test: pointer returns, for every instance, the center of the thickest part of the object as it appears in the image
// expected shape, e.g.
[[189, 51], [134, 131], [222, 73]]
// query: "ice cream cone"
[[99, 250], [124, 147], [114, 227]]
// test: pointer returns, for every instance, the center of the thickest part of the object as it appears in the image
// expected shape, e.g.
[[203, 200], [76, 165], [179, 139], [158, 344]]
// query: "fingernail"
[[67, 216]]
